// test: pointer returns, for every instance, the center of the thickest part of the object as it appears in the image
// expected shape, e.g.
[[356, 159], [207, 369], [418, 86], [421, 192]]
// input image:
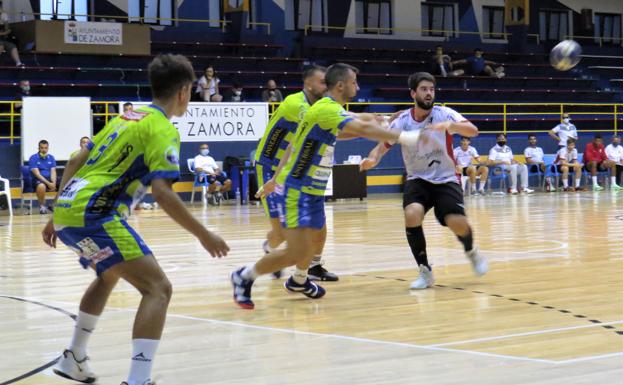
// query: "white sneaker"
[[78, 370], [482, 191], [527, 190], [479, 263], [514, 191], [148, 382], [425, 279]]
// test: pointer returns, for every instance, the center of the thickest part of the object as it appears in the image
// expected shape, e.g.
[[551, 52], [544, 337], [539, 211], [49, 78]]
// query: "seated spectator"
[[127, 107], [207, 86], [5, 44], [477, 65], [595, 159], [534, 155], [566, 158], [206, 167], [502, 156], [84, 142], [271, 94], [614, 152], [441, 64], [23, 91], [234, 94], [564, 131], [43, 167], [465, 156]]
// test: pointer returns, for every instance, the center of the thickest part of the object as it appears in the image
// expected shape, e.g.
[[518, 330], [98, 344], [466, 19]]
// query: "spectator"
[[84, 142], [43, 167], [502, 156], [206, 167], [271, 94], [442, 64], [207, 86], [22, 92], [534, 155], [477, 65], [5, 44], [595, 159], [564, 131], [235, 93], [127, 107], [566, 158], [465, 156], [614, 152]]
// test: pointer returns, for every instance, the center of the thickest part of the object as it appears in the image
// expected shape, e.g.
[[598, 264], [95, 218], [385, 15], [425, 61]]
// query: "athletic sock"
[[85, 324], [565, 183], [467, 240], [417, 242], [249, 273], [143, 352], [300, 276]]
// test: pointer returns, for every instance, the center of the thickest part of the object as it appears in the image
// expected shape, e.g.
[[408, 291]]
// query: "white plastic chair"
[[6, 191]]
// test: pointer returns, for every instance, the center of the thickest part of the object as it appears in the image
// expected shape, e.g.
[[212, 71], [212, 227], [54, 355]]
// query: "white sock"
[[482, 185], [594, 180], [143, 352], [85, 324], [613, 180], [565, 182], [300, 276], [249, 272], [316, 261], [577, 182]]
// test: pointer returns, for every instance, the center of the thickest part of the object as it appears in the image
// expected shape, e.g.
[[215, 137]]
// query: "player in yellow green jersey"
[[273, 151], [98, 190], [302, 182]]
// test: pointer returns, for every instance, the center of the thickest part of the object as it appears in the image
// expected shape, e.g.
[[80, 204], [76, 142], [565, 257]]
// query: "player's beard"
[[423, 104]]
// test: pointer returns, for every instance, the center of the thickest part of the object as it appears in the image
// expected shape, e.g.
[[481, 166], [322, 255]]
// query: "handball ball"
[[565, 55]]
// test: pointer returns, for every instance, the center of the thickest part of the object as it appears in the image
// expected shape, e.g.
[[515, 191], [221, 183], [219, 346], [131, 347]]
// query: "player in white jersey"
[[614, 152], [534, 155], [431, 174], [564, 131], [567, 158], [465, 156]]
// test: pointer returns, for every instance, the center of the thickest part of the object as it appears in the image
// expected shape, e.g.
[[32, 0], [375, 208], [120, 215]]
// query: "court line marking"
[[536, 332], [590, 358]]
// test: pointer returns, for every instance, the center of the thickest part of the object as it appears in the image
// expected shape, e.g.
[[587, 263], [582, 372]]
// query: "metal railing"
[[384, 30], [504, 113]]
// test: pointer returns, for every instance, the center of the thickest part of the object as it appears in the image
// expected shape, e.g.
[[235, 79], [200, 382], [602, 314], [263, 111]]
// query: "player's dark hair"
[[570, 140], [466, 138], [85, 137], [501, 134], [418, 77], [43, 141], [338, 72], [126, 104], [168, 73], [311, 70], [598, 136], [531, 135]]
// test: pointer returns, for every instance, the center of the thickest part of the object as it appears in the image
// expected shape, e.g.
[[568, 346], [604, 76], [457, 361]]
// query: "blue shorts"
[[299, 209], [104, 245], [270, 201]]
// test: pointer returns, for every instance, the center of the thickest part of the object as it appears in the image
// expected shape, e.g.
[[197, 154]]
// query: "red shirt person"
[[595, 159]]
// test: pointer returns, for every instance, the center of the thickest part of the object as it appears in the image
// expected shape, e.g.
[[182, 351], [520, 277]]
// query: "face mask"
[[205, 152], [238, 93], [26, 88], [566, 120], [501, 143], [615, 144]]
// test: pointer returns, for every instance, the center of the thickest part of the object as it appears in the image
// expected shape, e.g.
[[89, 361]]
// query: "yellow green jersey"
[[309, 167], [131, 151], [280, 130]]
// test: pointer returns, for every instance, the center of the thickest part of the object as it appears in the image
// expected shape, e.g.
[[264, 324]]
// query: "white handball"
[[565, 55]]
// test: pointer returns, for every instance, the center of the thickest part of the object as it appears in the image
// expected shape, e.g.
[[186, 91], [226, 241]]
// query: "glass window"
[[438, 19], [493, 22], [553, 25], [302, 13], [373, 16], [62, 9]]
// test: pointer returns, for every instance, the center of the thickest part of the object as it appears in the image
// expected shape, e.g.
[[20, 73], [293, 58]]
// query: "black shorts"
[[532, 168], [600, 167], [446, 198], [217, 178], [8, 46]]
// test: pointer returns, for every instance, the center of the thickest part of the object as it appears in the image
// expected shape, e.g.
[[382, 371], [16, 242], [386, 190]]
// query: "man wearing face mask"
[[502, 156], [271, 94], [564, 131], [234, 94], [206, 167], [614, 152]]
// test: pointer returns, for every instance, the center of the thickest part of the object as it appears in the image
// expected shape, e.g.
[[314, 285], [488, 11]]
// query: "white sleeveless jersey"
[[432, 158]]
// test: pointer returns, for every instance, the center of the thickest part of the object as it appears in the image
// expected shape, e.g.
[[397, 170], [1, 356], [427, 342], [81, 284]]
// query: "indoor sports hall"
[[530, 293]]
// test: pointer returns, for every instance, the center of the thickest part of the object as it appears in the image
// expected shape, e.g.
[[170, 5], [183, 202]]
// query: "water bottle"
[[237, 196]]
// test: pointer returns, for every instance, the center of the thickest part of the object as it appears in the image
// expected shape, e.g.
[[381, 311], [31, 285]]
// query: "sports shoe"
[[73, 369], [482, 191], [43, 210], [479, 263], [526, 190], [319, 273], [474, 193], [615, 187], [218, 198], [242, 290], [276, 274], [425, 280], [309, 289], [148, 382], [597, 187], [514, 191]]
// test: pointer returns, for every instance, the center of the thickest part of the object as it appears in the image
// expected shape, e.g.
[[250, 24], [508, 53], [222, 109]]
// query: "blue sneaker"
[[242, 290], [308, 289]]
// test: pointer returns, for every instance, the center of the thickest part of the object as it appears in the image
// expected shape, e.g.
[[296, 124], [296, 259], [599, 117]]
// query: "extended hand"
[[214, 244], [49, 234], [266, 189], [367, 163]]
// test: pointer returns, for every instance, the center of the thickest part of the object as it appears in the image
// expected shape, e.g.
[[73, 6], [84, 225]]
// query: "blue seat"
[[28, 186], [587, 174], [498, 173], [190, 162]]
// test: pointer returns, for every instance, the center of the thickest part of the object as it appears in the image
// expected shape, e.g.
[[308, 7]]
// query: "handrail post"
[[504, 116], [12, 121], [616, 119]]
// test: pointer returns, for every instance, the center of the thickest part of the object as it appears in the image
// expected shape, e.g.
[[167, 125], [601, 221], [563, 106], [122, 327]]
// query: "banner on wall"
[[220, 122], [94, 33], [517, 12], [235, 6]]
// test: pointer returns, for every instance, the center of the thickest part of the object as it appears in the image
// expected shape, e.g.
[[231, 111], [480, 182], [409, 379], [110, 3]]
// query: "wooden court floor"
[[550, 311]]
